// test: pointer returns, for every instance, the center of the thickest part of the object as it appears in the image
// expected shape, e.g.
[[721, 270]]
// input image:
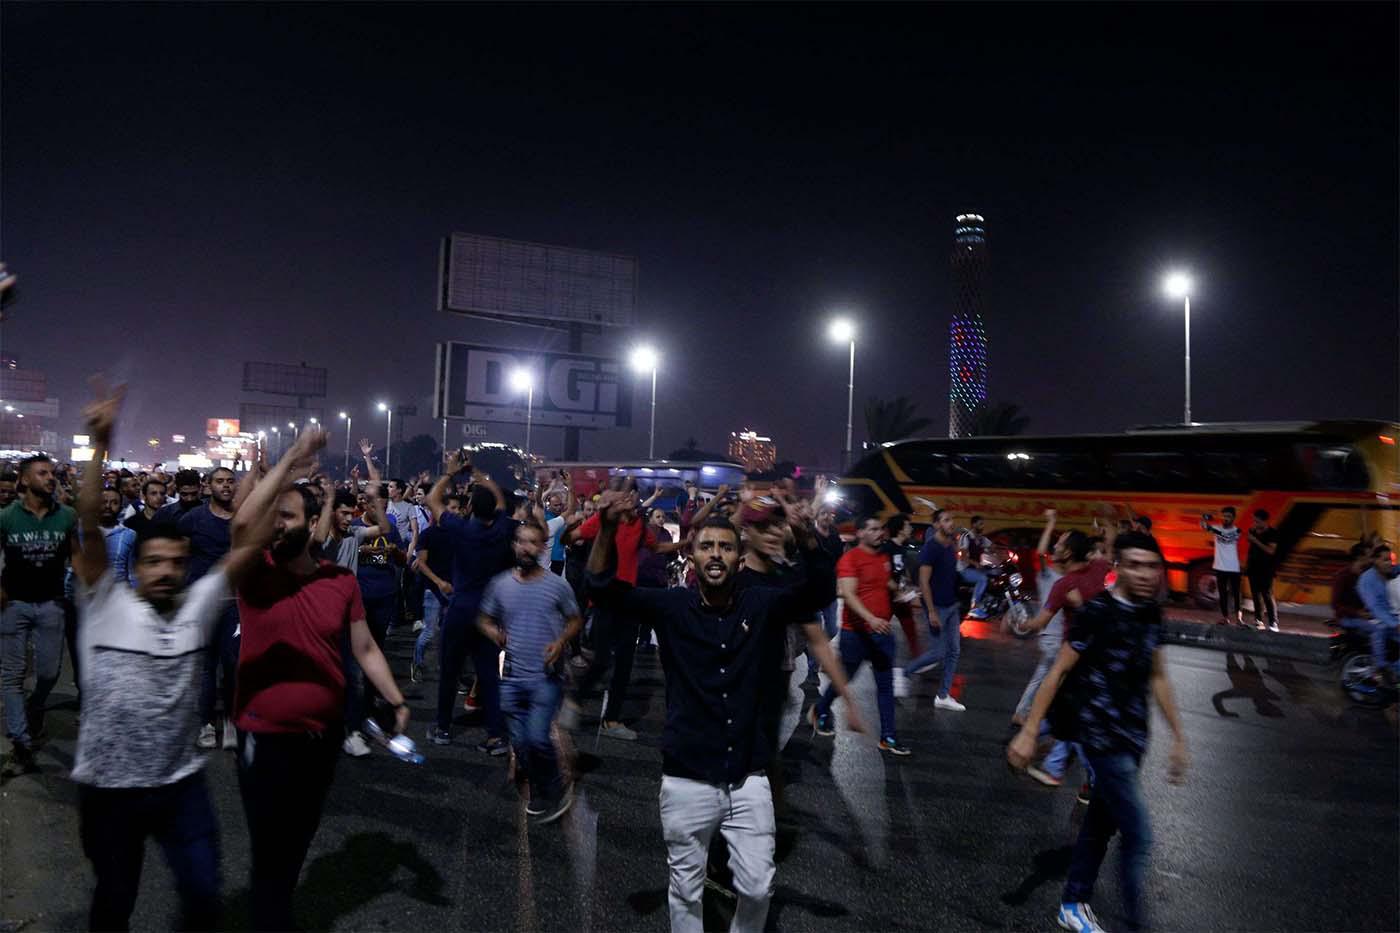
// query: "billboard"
[[572, 390], [284, 379], [220, 427], [514, 280]]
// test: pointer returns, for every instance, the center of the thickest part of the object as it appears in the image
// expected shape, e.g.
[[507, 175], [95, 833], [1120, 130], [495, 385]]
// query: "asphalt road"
[[1288, 822]]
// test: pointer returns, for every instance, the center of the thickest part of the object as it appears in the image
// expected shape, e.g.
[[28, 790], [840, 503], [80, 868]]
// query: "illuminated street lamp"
[[523, 381], [646, 359], [296, 431], [388, 432], [1178, 285], [348, 420], [277, 434], [843, 330]]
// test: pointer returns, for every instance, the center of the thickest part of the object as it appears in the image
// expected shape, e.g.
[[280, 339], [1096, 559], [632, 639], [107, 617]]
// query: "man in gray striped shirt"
[[533, 614]]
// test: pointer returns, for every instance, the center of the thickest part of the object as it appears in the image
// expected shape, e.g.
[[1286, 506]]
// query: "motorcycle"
[[1007, 597], [1358, 678]]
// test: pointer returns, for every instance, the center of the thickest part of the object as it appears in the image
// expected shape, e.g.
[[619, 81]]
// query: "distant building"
[[25, 407], [967, 335], [751, 449]]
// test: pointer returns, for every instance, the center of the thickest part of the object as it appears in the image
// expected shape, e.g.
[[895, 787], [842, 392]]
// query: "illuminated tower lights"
[[967, 336]]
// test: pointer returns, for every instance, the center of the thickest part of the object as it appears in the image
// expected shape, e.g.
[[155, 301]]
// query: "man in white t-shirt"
[[141, 668], [1227, 563]]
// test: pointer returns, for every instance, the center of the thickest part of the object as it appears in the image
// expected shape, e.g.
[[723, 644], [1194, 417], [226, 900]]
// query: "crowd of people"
[[250, 612]]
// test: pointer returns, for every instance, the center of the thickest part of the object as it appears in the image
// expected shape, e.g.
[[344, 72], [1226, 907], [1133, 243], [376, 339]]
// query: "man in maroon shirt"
[[296, 612]]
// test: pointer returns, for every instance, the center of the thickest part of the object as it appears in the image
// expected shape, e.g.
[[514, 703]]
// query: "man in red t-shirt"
[[296, 612], [863, 578], [615, 638]]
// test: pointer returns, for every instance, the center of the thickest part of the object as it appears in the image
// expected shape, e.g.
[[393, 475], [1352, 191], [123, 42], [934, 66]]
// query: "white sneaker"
[[355, 745], [1079, 918], [230, 736], [948, 703], [418, 626], [901, 683], [206, 736]]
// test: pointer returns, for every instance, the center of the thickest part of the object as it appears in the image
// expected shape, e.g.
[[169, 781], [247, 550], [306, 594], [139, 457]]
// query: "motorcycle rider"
[[1371, 587], [972, 544]]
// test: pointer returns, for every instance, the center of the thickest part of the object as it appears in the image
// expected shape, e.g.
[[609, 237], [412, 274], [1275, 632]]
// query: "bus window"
[[1158, 471], [1336, 466], [924, 468], [980, 470]]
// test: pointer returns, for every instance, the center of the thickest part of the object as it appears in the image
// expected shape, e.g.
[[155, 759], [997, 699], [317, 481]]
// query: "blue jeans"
[[1376, 631], [433, 606], [19, 624], [978, 579], [114, 824], [857, 647], [1049, 643], [830, 625], [1117, 806], [946, 647], [222, 653], [530, 707]]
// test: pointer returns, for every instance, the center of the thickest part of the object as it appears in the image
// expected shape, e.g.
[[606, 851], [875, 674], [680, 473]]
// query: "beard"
[[291, 544], [526, 562]]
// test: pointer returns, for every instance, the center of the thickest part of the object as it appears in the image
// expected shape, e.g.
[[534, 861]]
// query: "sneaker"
[[569, 715], [821, 725], [355, 745], [536, 807], [948, 703], [206, 736], [418, 626], [415, 673], [1080, 918], [1044, 777], [978, 614], [1273, 626], [439, 736], [901, 683], [556, 809], [616, 730], [1085, 790], [890, 744], [494, 747], [578, 662], [22, 759], [230, 737]]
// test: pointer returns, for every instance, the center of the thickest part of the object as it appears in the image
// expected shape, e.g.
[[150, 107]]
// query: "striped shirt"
[[532, 613]]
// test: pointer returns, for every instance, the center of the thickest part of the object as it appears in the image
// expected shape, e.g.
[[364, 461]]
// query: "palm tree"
[[1002, 419], [893, 420]]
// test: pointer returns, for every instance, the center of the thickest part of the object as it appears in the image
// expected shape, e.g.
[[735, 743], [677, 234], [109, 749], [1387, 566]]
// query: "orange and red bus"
[[1324, 484]]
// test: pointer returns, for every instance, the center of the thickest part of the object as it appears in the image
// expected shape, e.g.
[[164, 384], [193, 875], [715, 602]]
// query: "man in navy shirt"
[[938, 584], [718, 647], [207, 526], [1096, 695], [481, 548]]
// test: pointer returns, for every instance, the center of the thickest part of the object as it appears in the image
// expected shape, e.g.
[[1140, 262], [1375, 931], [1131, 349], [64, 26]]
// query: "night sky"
[[189, 187]]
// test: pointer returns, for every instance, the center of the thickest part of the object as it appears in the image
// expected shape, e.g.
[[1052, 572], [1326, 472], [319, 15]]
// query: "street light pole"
[[651, 444], [1188, 359], [646, 358], [348, 422], [388, 439], [529, 416], [843, 331]]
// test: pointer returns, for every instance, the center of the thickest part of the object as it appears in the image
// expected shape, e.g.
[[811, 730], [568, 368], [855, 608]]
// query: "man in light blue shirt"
[[1371, 587]]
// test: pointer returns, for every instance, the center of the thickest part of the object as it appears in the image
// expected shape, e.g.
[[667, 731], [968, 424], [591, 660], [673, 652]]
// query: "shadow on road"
[[1246, 682], [1050, 865]]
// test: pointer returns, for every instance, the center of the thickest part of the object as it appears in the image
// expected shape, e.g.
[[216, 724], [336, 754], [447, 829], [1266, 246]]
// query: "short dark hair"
[[344, 497], [937, 514], [1079, 545], [187, 478], [28, 462], [220, 470], [1145, 521], [896, 523], [1135, 539], [153, 481], [383, 491], [310, 508], [150, 531], [975, 519], [1228, 508], [483, 503], [126, 474], [533, 523], [457, 498], [715, 521], [402, 484], [1357, 550], [1262, 514], [8, 477], [1380, 550]]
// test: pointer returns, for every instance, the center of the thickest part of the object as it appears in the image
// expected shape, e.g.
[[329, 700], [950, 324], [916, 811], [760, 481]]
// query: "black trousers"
[[283, 779], [1261, 587], [1227, 583], [114, 824], [615, 644], [460, 638]]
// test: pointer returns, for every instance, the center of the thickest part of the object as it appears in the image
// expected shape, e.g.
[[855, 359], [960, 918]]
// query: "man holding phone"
[[1226, 535]]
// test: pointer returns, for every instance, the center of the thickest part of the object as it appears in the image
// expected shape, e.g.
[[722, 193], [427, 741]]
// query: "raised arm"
[[253, 524], [101, 416], [250, 479], [322, 531], [1043, 545], [437, 496]]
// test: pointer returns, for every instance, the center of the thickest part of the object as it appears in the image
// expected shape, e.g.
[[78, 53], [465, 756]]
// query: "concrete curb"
[[1311, 649]]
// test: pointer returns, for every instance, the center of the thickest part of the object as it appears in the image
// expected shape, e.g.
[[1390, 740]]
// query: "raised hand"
[[366, 448], [452, 462], [100, 414], [614, 502]]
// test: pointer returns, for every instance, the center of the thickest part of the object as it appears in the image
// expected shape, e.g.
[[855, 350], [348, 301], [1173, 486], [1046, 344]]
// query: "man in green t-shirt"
[[37, 536]]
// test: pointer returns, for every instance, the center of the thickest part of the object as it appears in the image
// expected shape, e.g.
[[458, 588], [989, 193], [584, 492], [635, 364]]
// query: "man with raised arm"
[[296, 612], [717, 646], [142, 665]]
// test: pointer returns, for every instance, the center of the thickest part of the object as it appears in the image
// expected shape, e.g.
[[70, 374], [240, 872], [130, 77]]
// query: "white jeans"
[[691, 811]]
